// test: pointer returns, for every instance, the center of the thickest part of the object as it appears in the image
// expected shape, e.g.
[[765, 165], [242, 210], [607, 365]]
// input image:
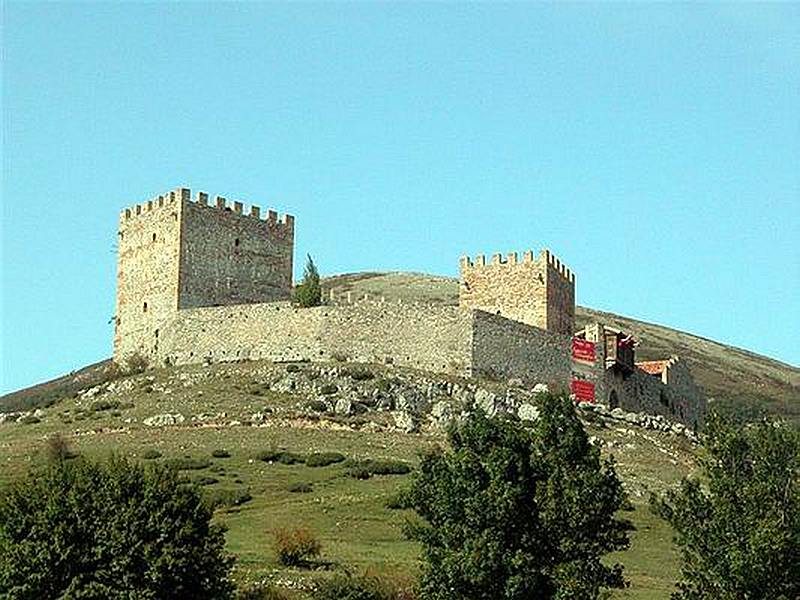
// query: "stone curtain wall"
[[686, 397], [147, 273], [429, 338], [508, 349], [539, 292], [229, 256]]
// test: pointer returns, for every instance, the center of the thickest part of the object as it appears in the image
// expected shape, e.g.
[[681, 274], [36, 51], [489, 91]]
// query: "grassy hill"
[[248, 408], [727, 374]]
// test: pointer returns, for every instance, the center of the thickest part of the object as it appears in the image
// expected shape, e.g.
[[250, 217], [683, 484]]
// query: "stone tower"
[[536, 291], [175, 253]]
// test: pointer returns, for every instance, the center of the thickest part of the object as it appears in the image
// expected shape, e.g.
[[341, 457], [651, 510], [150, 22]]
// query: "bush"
[[515, 513], [280, 456], [301, 487], [317, 406], [739, 533], [101, 405], [207, 480], [364, 469], [297, 547], [29, 420], [188, 463], [151, 454], [309, 292], [323, 459], [216, 498], [118, 530], [136, 363], [328, 389], [58, 449], [359, 374], [292, 368], [221, 454], [369, 586]]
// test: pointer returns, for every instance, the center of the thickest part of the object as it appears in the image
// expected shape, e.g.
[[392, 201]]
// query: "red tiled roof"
[[654, 367]]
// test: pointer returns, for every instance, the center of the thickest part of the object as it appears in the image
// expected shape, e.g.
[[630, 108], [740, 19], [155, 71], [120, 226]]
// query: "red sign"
[[583, 390], [583, 350]]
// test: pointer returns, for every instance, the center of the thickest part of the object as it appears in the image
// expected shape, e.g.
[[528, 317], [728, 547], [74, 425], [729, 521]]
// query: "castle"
[[202, 283]]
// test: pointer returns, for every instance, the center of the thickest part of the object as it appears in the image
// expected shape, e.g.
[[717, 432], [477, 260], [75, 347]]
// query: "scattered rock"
[[404, 421], [164, 420], [528, 412]]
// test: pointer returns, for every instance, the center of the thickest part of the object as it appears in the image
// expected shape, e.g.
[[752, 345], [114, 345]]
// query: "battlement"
[[512, 258], [170, 199]]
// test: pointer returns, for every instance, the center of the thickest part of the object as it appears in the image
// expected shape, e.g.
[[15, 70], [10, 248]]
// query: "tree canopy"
[[114, 530], [513, 513], [738, 528]]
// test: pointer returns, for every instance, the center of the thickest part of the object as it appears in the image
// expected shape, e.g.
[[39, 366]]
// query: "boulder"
[[344, 406], [541, 388], [164, 420], [486, 401], [528, 412], [404, 421]]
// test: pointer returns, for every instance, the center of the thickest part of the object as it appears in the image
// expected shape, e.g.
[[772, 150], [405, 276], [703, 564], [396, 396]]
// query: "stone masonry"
[[199, 283]]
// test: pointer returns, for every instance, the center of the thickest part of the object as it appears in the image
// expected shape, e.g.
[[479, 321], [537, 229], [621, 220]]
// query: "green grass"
[[350, 516]]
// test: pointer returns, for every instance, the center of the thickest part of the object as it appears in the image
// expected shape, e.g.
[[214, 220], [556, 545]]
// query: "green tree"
[[738, 529], [113, 530], [515, 513], [308, 292]]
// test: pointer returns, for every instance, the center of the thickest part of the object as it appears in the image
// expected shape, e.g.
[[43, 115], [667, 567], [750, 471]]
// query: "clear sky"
[[655, 148]]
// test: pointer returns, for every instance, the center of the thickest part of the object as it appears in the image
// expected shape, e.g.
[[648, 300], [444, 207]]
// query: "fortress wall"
[[509, 349], [645, 393], [686, 396], [230, 255], [429, 337], [432, 338], [147, 273]]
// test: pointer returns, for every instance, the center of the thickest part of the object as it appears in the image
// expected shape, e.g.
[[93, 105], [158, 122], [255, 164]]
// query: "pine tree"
[[308, 292]]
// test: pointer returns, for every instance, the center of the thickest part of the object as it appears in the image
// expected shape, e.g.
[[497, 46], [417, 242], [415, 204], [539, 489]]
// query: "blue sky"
[[654, 147]]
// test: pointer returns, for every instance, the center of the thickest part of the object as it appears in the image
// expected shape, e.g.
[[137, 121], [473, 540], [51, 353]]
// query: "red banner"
[[583, 350], [583, 390]]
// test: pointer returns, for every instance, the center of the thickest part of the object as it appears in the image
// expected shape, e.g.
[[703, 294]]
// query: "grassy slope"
[[348, 515], [727, 374]]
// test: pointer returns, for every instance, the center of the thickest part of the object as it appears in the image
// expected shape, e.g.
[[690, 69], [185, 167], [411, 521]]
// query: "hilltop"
[[728, 374]]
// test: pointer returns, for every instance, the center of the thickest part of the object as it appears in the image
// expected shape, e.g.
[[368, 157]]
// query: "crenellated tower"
[[539, 291], [176, 253]]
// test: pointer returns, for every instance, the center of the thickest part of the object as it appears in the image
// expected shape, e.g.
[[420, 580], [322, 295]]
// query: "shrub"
[[514, 512], [301, 487], [221, 454], [291, 368], [297, 547], [29, 420], [290, 458], [58, 449], [280, 456], [101, 405], [369, 586], [205, 480], [309, 292], [739, 533], [136, 363], [221, 498], [188, 463], [364, 469], [359, 374], [118, 530], [151, 454], [323, 459], [328, 389], [317, 405]]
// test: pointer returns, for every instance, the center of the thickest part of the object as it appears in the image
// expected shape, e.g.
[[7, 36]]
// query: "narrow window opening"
[[236, 243], [156, 333], [154, 237], [144, 307]]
